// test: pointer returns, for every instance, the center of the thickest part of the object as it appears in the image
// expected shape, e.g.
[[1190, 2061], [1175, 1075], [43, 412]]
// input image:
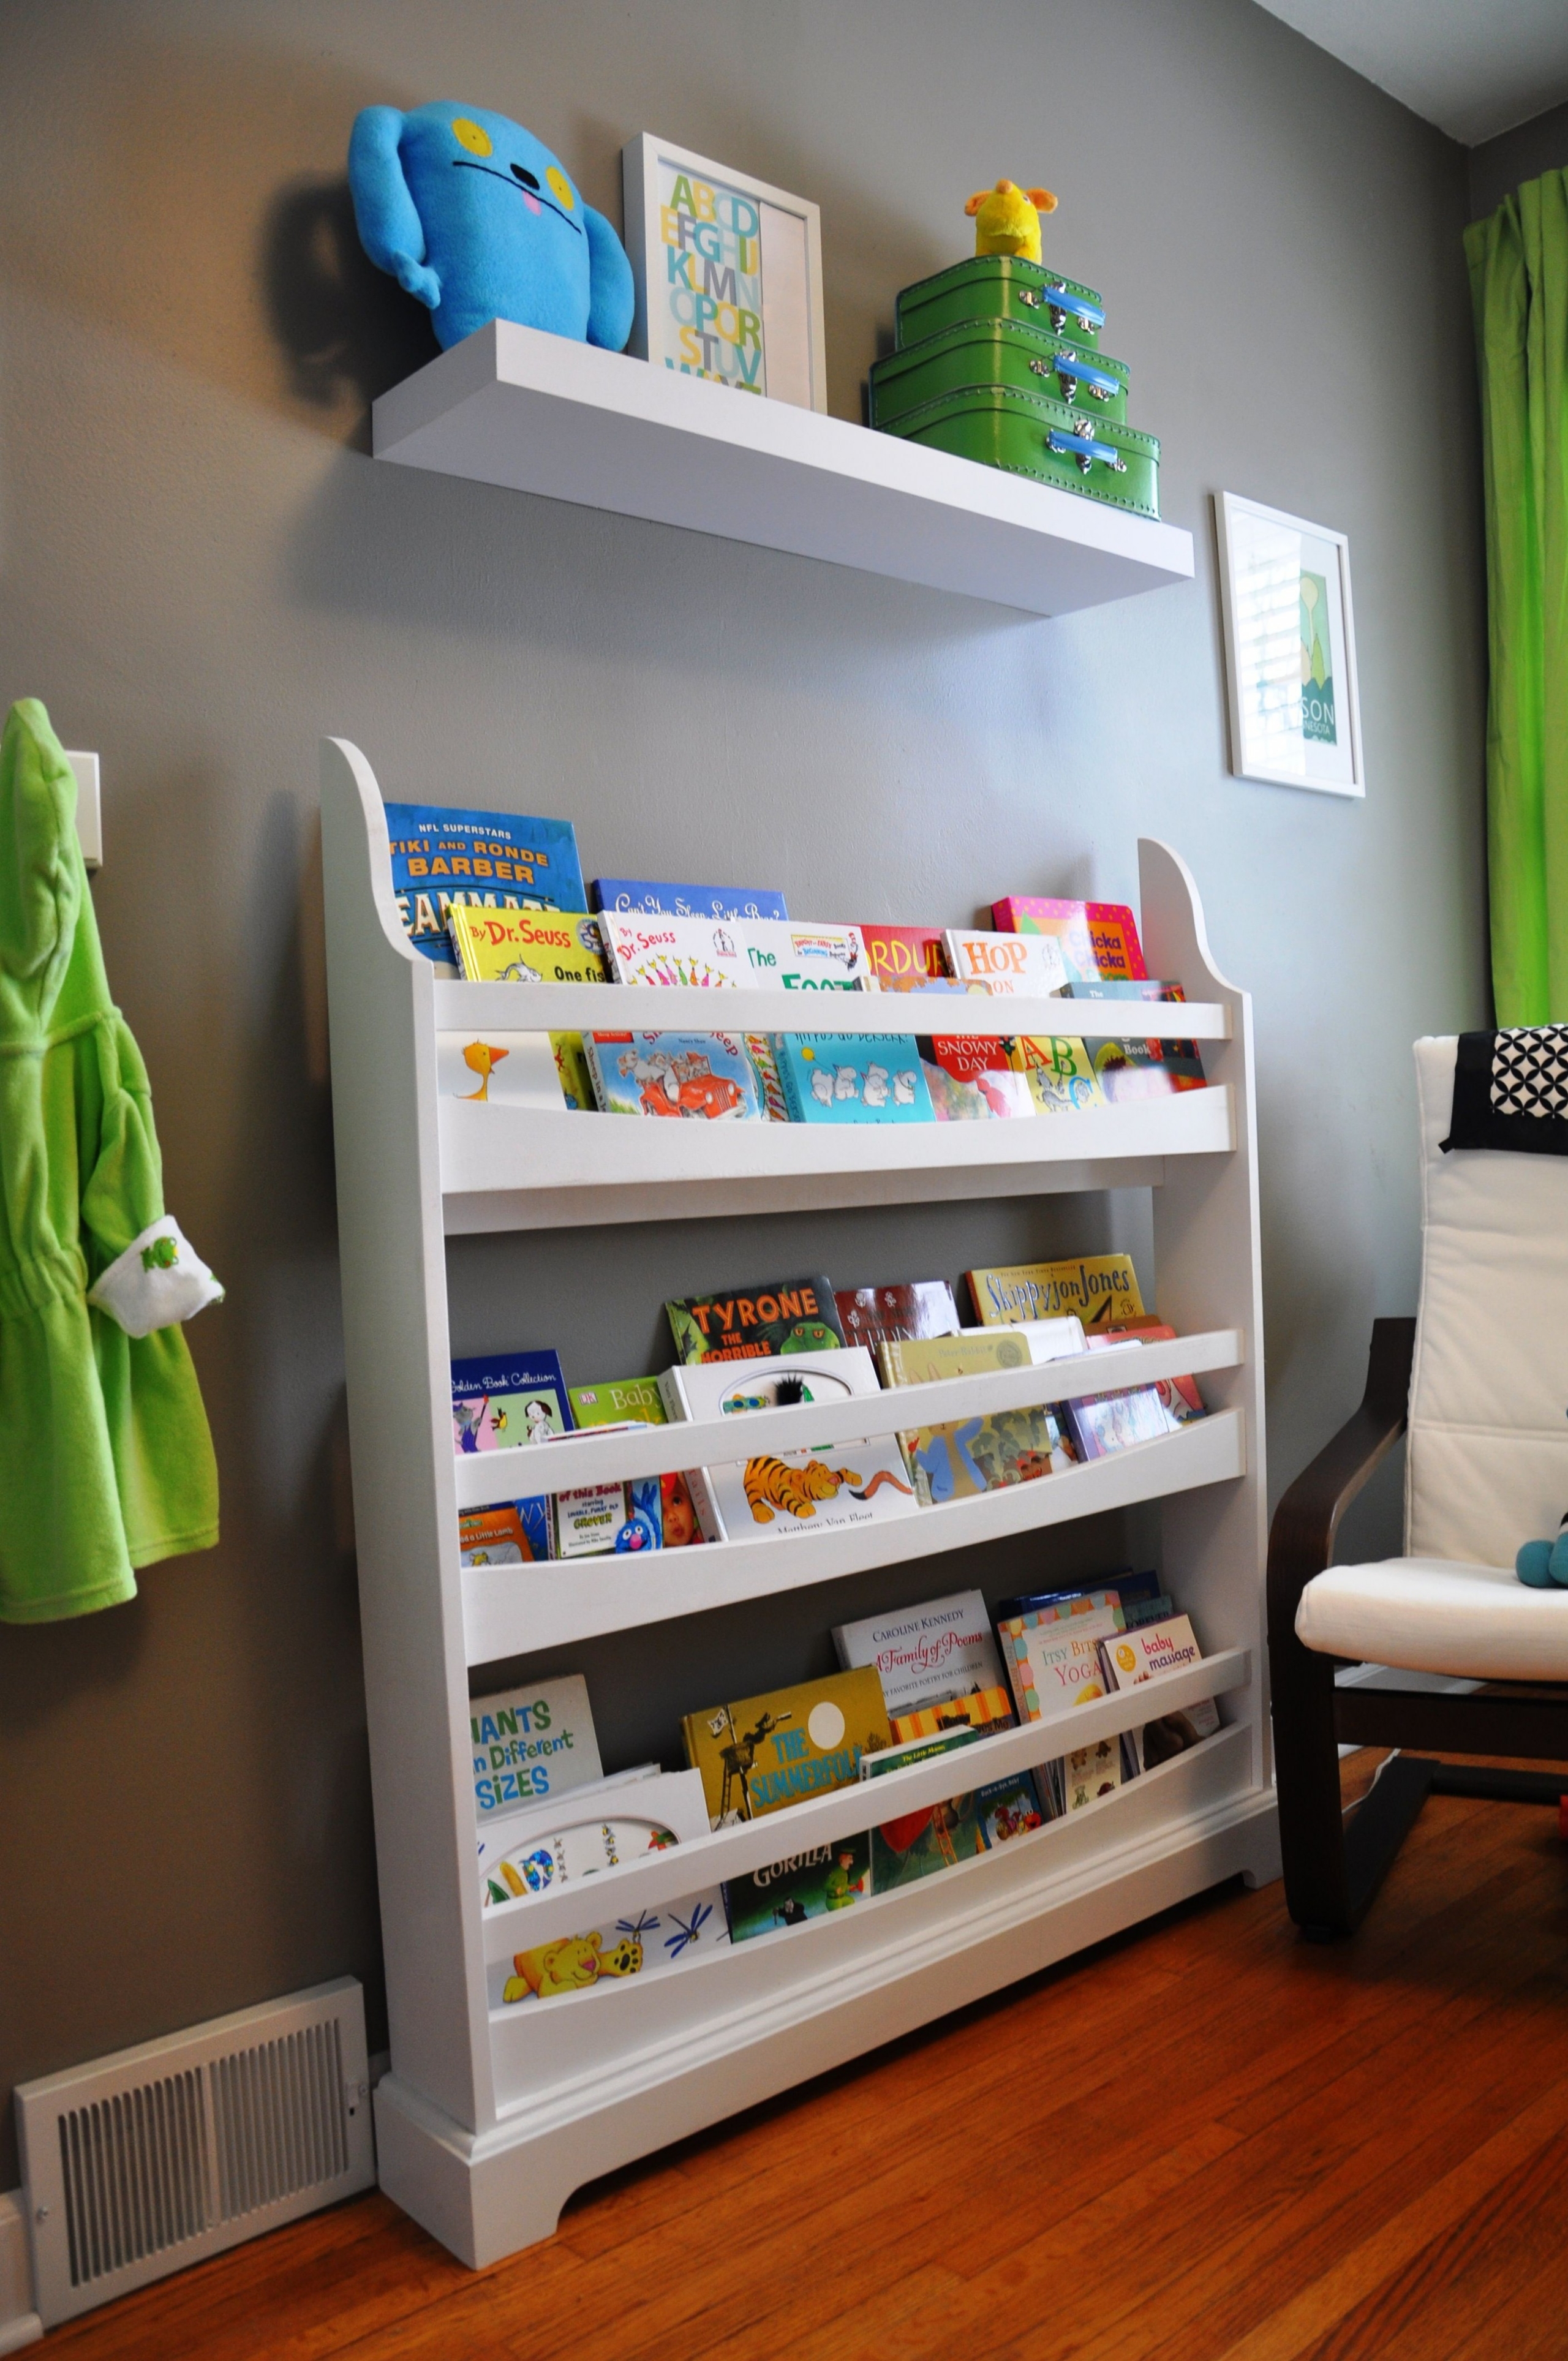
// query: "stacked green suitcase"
[[999, 361]]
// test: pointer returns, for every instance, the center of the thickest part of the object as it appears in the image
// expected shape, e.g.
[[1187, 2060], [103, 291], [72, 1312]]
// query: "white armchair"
[[1478, 1382]]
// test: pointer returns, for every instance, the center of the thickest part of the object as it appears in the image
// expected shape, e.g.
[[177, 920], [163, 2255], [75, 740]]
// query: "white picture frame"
[[1289, 628], [692, 227]]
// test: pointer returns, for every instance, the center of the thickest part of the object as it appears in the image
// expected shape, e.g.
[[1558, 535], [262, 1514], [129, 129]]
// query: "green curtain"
[[1518, 282]]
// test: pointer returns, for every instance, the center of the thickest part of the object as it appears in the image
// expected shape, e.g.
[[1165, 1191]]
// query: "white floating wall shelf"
[[516, 407]]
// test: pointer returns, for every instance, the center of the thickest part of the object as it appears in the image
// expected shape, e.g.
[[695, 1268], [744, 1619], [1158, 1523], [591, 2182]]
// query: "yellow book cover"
[[1059, 1071], [766, 1753], [571, 1069], [926, 1360], [526, 946], [1101, 1288], [987, 1710]]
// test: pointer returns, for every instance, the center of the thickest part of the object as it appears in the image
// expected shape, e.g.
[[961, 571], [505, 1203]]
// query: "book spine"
[[788, 1080], [709, 1519], [673, 1395], [595, 1076]]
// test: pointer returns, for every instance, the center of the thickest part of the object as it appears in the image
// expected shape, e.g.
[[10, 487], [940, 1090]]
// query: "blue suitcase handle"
[[1086, 450], [1073, 373], [1058, 301]]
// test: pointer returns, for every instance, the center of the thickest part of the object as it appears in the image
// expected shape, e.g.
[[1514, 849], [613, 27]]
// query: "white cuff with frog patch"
[[159, 1278]]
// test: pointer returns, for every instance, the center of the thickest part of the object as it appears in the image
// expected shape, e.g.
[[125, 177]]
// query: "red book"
[[1097, 937], [905, 957], [886, 1315]]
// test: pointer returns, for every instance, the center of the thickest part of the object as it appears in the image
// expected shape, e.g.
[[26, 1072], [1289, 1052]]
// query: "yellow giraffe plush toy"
[[1007, 219]]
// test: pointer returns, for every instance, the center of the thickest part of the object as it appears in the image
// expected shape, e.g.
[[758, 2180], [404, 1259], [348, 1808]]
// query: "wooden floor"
[[1206, 2142]]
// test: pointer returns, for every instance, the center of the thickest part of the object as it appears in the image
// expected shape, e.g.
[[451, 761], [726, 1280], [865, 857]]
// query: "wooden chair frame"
[[1333, 1871]]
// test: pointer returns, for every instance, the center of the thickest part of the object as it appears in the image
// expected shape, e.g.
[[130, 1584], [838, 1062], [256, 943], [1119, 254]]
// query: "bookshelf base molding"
[[487, 2194]]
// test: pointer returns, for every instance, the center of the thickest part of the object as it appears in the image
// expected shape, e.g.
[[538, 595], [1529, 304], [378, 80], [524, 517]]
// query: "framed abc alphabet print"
[[729, 274], [1290, 649]]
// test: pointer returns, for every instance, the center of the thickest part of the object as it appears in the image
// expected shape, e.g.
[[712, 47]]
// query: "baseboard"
[[19, 2323]]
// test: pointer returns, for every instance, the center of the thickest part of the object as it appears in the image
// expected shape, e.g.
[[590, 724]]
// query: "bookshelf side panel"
[[1208, 1274], [394, 1306]]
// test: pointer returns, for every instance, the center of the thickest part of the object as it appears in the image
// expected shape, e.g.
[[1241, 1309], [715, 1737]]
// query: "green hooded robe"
[[105, 1458]]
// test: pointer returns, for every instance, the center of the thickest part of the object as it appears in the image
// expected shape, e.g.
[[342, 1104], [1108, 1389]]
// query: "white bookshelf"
[[489, 2119], [516, 407]]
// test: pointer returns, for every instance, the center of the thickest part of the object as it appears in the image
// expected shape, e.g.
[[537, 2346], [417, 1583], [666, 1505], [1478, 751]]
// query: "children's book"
[[794, 1316], [596, 1825], [1179, 1395], [707, 1076], [1053, 1658], [498, 1400], [931, 1837], [527, 946], [1139, 1655], [1090, 1772], [498, 1070], [509, 1532], [595, 1519], [531, 1742], [852, 1078], [1123, 987], [706, 953], [927, 1655], [972, 1352], [642, 896], [1030, 964], [638, 1401], [1103, 1423], [494, 860], [796, 955], [572, 1073], [968, 1353], [1096, 938], [906, 959], [760, 1050], [973, 1079], [1145, 1070], [1059, 1071], [1014, 1806], [1118, 1588], [642, 1943], [766, 1752], [961, 1458], [1099, 1289], [796, 1492], [621, 1401], [882, 1316], [810, 1885]]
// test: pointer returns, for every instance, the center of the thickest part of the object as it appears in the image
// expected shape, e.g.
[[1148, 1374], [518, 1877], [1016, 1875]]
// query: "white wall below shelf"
[[540, 413], [512, 1611]]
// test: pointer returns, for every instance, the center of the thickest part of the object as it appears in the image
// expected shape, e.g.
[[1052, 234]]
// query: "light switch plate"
[[89, 811]]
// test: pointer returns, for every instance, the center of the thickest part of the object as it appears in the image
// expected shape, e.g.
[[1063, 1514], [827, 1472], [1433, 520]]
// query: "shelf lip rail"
[[517, 1610], [681, 1869], [461, 1007], [572, 1462]]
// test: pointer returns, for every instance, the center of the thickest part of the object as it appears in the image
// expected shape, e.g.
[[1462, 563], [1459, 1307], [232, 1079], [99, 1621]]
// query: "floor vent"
[[139, 2164]]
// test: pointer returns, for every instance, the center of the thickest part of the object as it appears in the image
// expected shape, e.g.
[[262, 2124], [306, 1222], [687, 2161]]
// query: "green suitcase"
[[996, 352], [999, 287], [1029, 435]]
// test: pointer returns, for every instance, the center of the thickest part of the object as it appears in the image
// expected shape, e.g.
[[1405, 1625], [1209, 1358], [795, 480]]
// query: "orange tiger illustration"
[[771, 1484]]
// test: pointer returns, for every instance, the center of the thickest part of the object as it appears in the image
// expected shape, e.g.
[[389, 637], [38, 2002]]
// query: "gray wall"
[[202, 570], [1499, 165]]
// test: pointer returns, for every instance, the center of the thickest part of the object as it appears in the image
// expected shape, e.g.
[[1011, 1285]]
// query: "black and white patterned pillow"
[[1510, 1091]]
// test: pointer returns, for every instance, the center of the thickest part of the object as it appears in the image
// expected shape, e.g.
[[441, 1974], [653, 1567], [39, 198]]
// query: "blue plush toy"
[[1544, 1565], [474, 215]]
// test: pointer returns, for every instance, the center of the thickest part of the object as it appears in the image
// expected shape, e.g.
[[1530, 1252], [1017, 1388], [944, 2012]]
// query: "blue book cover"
[[645, 894], [501, 1399], [497, 860], [852, 1078]]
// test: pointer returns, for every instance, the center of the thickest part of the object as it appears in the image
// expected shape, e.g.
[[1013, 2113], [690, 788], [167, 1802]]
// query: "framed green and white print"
[[1290, 649]]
